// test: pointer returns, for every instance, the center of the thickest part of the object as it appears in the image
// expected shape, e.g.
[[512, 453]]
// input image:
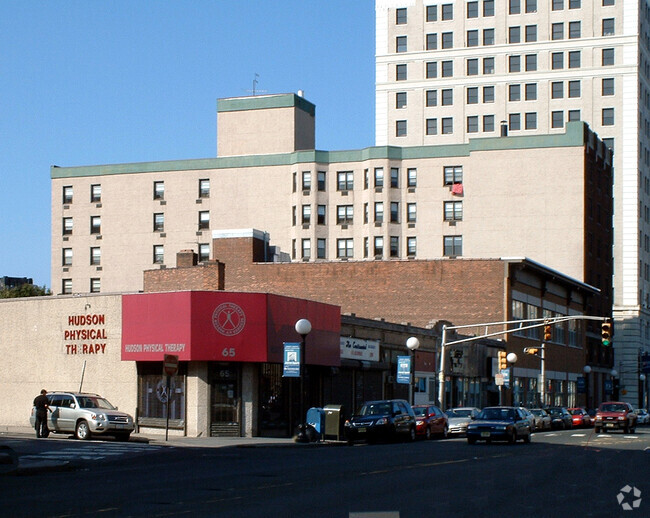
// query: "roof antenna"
[[255, 91]]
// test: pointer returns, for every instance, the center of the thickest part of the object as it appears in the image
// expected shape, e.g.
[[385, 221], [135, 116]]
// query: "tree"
[[24, 290]]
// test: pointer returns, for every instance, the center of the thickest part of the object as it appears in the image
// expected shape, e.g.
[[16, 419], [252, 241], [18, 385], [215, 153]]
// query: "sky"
[[104, 82]]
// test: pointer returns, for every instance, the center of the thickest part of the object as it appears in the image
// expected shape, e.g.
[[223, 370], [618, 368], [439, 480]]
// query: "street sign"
[[403, 369], [292, 360], [499, 379], [170, 364]]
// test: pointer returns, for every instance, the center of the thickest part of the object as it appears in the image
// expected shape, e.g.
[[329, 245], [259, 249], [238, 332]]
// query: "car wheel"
[[527, 438], [632, 429], [412, 434], [445, 432], [471, 440], [597, 430], [513, 437], [82, 431], [626, 429], [427, 433], [123, 437]]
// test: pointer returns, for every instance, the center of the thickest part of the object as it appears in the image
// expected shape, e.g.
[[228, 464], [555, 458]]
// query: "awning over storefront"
[[226, 326]]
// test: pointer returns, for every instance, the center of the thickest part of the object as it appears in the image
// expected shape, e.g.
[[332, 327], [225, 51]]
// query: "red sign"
[[170, 364]]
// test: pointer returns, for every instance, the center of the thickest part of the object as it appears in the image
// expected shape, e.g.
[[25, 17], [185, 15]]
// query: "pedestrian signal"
[[531, 350], [606, 333]]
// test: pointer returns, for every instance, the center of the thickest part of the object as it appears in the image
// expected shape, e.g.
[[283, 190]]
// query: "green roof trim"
[[576, 134], [265, 102]]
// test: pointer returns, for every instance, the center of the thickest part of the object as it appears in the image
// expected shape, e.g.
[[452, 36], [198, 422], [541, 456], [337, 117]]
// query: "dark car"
[[560, 418], [499, 423], [388, 419], [430, 421], [615, 415]]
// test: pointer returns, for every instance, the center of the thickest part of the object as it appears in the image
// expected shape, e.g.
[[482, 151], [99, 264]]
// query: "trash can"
[[334, 420], [316, 418]]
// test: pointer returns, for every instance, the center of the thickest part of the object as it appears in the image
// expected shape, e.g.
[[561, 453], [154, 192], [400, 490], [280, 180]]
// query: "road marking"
[[578, 434], [92, 452]]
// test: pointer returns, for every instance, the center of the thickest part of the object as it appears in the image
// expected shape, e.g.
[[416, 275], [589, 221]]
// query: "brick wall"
[[204, 277]]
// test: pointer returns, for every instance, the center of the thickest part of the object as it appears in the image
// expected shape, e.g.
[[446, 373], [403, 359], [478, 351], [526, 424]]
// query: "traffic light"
[[503, 362], [548, 333], [531, 350], [606, 333]]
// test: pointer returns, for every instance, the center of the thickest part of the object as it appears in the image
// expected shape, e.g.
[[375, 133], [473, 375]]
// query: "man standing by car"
[[42, 405]]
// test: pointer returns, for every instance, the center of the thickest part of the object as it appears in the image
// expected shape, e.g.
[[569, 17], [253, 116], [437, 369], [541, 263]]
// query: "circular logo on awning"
[[229, 319]]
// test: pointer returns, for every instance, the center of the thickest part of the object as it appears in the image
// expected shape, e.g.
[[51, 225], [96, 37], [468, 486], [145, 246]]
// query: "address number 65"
[[228, 352]]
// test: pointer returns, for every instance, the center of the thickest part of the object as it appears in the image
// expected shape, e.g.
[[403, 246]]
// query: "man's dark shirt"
[[40, 402]]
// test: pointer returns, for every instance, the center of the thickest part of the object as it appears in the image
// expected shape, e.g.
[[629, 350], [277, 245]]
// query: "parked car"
[[459, 418], [499, 423], [560, 418], [615, 415], [530, 417], [381, 420], [85, 415], [542, 419], [642, 416], [430, 421], [580, 417]]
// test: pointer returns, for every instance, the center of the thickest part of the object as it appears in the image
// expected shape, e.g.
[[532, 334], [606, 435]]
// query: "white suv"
[[85, 415]]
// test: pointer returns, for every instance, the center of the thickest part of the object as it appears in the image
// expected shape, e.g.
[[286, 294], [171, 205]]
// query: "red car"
[[430, 421], [615, 415], [580, 417]]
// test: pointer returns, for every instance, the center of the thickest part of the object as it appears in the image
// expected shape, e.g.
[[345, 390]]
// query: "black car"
[[499, 423], [381, 420], [560, 418]]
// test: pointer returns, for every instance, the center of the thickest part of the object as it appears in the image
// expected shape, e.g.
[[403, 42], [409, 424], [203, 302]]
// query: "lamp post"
[[642, 401], [412, 344], [587, 370], [303, 328], [511, 358]]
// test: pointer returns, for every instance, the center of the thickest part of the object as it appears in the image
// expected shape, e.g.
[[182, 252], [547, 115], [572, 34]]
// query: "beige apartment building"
[[450, 71]]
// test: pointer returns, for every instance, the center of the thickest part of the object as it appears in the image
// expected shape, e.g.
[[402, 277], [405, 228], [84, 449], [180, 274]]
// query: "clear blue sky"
[[99, 82]]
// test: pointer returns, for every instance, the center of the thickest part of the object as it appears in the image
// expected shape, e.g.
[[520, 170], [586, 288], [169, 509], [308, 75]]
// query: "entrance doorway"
[[225, 400]]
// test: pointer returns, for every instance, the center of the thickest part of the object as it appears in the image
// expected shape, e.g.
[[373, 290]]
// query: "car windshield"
[[613, 407], [537, 411], [500, 414], [95, 402], [554, 411], [459, 412], [575, 411], [420, 411], [375, 409]]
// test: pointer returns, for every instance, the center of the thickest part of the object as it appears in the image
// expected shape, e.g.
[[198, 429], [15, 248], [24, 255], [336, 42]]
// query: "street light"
[[303, 328], [412, 344], [587, 370]]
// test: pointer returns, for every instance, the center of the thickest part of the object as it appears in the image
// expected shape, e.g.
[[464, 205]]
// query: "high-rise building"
[[448, 71]]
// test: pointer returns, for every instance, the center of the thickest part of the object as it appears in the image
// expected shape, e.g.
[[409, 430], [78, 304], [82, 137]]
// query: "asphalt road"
[[568, 473]]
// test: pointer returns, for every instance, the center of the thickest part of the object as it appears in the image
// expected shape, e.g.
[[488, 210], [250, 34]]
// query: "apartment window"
[[432, 41], [531, 120], [95, 255], [66, 286], [345, 180], [453, 211], [159, 190], [488, 7], [400, 100], [472, 38], [95, 285], [204, 220], [400, 72], [558, 5], [204, 188], [447, 97], [95, 193], [412, 177], [306, 248], [531, 6], [472, 67], [514, 7], [432, 13], [514, 121], [379, 212], [472, 124], [557, 119], [453, 174], [557, 90], [345, 248], [608, 57], [447, 40], [447, 69], [95, 224], [306, 214], [574, 89], [575, 30], [394, 212], [432, 98], [514, 34], [294, 182], [321, 248], [432, 126], [608, 116], [574, 59], [514, 64], [574, 115], [394, 177], [608, 26], [557, 31], [306, 180], [447, 12], [514, 92], [608, 86], [472, 9], [66, 257], [488, 65], [472, 95], [67, 194], [609, 2], [204, 252], [379, 176], [321, 211], [158, 222], [575, 4], [411, 212], [609, 143], [293, 215], [400, 44], [158, 254], [531, 91], [411, 246], [447, 125], [394, 246], [531, 33], [557, 60], [400, 16], [379, 246], [432, 69], [488, 123], [488, 36], [67, 226], [453, 246], [365, 213], [344, 214], [531, 62], [322, 175]]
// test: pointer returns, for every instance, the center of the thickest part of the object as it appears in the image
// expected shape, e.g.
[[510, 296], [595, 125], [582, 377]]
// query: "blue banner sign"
[[404, 369], [291, 360], [609, 387], [581, 385]]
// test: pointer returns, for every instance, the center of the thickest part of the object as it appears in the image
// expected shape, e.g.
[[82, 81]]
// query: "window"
[[575, 4], [411, 246], [447, 97], [531, 6], [432, 126], [514, 7], [379, 246], [400, 72], [514, 35], [344, 214], [447, 40], [432, 98], [95, 285], [531, 33], [400, 16], [412, 177], [400, 100], [448, 12], [574, 89], [447, 69], [453, 246], [488, 7], [514, 121], [379, 212], [345, 180], [472, 38], [67, 226], [293, 215], [488, 65], [514, 92], [608, 26], [66, 257], [67, 194], [531, 62], [558, 5], [557, 31], [574, 59], [432, 69], [488, 123], [432, 13], [514, 63], [204, 220], [365, 213], [158, 254], [394, 177], [609, 2], [394, 212], [531, 120], [394, 246], [488, 36], [66, 286], [608, 116], [321, 180], [95, 224], [379, 176], [609, 143], [608, 86], [557, 90], [557, 60], [574, 30], [204, 252], [411, 212], [472, 95], [306, 180], [453, 211], [472, 67], [306, 214], [608, 57], [432, 41], [95, 255], [344, 248], [400, 44], [158, 222], [472, 9], [204, 188], [159, 190], [294, 182], [447, 125], [574, 115], [320, 248], [366, 178], [321, 211], [306, 248], [95, 193], [472, 124], [557, 119], [453, 174], [531, 91]]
